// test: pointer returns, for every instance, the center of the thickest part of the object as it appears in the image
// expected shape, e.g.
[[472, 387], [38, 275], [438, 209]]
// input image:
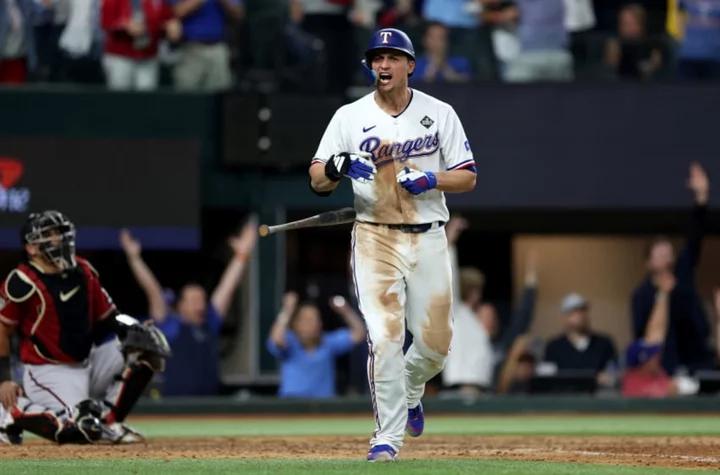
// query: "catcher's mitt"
[[146, 338]]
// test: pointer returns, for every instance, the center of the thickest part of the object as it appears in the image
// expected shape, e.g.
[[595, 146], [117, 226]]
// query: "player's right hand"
[[356, 166], [9, 392]]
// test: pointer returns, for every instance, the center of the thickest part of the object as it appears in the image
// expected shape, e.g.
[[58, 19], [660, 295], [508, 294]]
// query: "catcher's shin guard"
[[134, 379], [84, 429], [37, 420]]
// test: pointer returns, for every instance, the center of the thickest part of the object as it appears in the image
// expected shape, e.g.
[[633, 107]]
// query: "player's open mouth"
[[384, 78]]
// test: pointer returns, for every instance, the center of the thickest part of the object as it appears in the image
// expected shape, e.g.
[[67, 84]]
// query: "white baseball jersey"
[[426, 136]]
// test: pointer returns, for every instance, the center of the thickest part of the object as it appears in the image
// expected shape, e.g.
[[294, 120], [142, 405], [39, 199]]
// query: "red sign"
[[11, 170]]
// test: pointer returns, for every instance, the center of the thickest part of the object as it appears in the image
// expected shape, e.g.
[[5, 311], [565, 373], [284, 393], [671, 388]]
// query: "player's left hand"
[[415, 181]]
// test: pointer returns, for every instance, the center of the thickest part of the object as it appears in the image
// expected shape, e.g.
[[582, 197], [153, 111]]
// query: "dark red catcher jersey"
[[54, 313]]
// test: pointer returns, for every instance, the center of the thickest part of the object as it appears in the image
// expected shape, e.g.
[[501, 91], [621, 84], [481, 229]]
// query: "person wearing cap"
[[192, 325], [644, 374], [579, 348]]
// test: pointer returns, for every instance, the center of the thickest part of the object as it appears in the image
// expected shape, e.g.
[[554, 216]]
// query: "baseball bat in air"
[[328, 218]]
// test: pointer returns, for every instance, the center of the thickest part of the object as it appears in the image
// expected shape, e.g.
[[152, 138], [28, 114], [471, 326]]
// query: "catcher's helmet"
[[54, 234], [388, 38]]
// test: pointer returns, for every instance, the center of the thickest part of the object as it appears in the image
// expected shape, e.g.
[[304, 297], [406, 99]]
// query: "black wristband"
[[331, 172], [5, 374]]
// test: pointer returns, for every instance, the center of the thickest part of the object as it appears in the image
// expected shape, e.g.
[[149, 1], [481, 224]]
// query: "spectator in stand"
[[457, 15], [688, 328], [328, 21], [579, 347], [476, 322], [468, 36], [644, 375], [17, 40], [518, 367], [544, 43], [435, 65], [49, 26], [501, 17], [192, 328], [469, 366], [579, 21], [520, 319], [306, 353], [699, 54], [633, 55], [204, 62], [133, 32]]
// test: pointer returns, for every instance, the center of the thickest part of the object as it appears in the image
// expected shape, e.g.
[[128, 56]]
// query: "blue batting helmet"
[[388, 38]]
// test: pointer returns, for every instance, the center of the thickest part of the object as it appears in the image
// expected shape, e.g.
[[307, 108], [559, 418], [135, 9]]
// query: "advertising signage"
[[151, 186]]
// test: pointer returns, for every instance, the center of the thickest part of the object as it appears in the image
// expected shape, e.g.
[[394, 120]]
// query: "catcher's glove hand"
[[146, 338]]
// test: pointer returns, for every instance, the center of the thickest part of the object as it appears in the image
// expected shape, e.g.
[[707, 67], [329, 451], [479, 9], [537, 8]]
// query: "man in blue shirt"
[[544, 43], [192, 328], [699, 55], [306, 353], [204, 62], [469, 36], [436, 65]]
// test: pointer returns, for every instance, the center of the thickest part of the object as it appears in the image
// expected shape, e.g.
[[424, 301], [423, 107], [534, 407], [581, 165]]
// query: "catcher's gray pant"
[[62, 386]]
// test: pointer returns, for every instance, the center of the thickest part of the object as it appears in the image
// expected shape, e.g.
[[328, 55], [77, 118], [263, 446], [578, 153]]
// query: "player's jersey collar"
[[412, 94]]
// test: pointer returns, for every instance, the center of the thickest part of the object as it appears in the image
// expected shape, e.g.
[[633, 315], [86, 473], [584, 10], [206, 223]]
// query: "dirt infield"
[[676, 452]]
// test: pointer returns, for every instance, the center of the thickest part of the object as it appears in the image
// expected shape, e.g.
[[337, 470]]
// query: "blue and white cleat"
[[415, 422], [382, 453]]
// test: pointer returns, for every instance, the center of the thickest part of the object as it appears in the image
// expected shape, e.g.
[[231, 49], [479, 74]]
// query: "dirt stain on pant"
[[437, 330]]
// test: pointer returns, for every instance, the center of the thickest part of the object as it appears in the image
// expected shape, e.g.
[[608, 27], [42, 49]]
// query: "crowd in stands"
[[211, 45]]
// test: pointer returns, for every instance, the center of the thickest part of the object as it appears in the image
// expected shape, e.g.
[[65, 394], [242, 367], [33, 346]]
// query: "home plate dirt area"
[[676, 452]]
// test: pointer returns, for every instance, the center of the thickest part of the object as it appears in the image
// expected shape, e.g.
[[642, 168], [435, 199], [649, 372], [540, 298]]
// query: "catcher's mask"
[[54, 235]]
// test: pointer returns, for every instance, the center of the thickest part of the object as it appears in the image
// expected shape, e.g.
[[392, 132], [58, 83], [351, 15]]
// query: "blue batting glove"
[[357, 166], [361, 168], [416, 182]]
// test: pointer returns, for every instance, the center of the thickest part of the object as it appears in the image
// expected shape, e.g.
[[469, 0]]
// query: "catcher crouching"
[[85, 364]]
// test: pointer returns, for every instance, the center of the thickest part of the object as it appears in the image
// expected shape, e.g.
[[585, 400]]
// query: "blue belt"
[[410, 228]]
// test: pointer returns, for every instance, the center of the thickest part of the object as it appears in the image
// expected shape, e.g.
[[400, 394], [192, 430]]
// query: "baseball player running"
[[58, 306], [402, 150]]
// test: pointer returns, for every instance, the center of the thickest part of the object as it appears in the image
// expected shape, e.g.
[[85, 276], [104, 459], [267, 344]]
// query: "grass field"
[[547, 445]]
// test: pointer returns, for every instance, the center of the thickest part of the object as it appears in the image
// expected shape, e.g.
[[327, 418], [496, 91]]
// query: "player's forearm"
[[150, 285], [355, 324], [319, 181], [657, 324], [222, 296], [455, 181], [277, 332]]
